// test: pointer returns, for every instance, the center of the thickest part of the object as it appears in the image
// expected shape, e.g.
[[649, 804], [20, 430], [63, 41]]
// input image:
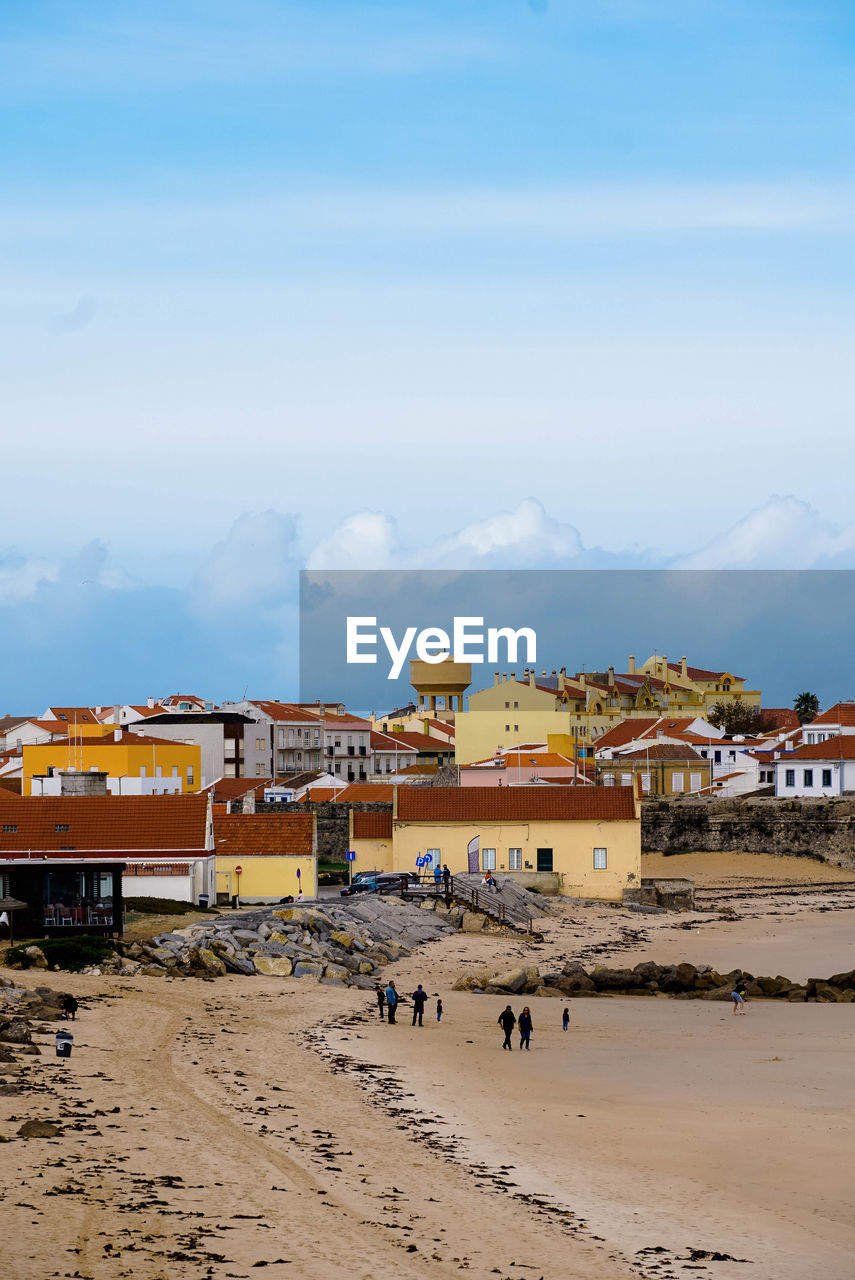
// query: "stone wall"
[[333, 822], [823, 829]]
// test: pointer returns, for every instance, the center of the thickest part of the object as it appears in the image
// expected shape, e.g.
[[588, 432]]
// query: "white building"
[[818, 769]]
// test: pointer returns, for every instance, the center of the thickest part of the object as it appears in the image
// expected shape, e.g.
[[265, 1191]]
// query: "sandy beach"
[[210, 1129]]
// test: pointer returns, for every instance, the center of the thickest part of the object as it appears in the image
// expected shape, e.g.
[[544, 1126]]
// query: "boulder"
[[205, 959], [615, 979], [36, 957], [824, 992], [843, 980], [307, 969], [511, 980], [468, 982], [718, 993], [38, 1129], [342, 938], [15, 1032], [274, 966], [336, 971], [549, 992], [646, 971], [152, 971], [472, 922]]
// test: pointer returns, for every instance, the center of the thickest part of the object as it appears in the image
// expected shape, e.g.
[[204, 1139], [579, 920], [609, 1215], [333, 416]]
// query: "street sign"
[[350, 856], [238, 870]]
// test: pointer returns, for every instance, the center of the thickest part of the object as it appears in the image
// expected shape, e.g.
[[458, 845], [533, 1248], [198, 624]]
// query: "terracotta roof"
[[286, 711], [780, 718], [842, 713], [840, 748], [319, 795], [102, 824], [447, 730], [392, 741], [367, 792], [339, 722], [515, 804], [518, 759], [59, 727], [657, 751], [422, 770], [225, 789], [244, 835], [11, 722], [10, 787], [83, 715], [376, 825], [128, 739]]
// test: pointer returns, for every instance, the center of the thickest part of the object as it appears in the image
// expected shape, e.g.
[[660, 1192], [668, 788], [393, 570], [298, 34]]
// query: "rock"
[[36, 957], [205, 959], [152, 971], [343, 939], [15, 1032], [615, 979], [795, 993], [274, 966], [511, 980], [686, 975], [307, 969], [718, 993], [468, 982], [239, 964], [823, 991], [365, 966], [336, 971], [843, 980], [38, 1129], [647, 971], [472, 922], [549, 991]]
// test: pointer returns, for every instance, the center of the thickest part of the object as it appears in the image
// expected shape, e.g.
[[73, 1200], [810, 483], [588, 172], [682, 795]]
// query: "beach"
[[216, 1128]]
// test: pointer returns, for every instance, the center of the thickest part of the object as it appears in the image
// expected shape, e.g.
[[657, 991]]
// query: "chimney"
[[660, 734], [82, 784], [543, 674], [631, 664], [496, 678], [684, 670], [611, 676], [582, 677], [562, 679], [504, 677], [664, 675], [532, 677], [149, 702], [117, 735]]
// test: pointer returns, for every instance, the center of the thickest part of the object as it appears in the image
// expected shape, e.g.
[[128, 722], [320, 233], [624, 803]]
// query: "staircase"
[[507, 905]]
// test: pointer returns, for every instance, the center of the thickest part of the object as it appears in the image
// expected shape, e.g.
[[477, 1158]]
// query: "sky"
[[483, 283]]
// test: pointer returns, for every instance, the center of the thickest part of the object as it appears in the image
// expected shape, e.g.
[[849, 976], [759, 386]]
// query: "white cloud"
[[255, 565], [362, 541], [785, 533], [20, 577]]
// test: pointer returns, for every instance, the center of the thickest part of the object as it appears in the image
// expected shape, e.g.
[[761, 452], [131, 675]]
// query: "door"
[[544, 859], [473, 855]]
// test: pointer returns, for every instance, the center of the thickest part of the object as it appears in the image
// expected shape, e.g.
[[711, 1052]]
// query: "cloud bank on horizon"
[[83, 629]]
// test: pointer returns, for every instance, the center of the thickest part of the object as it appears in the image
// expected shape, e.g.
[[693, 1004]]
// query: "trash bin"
[[203, 899], [64, 1041]]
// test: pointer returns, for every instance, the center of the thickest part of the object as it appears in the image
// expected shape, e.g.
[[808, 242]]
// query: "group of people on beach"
[[388, 1001]]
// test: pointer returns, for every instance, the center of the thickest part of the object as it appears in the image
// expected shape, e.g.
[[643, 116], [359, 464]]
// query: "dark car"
[[379, 882]]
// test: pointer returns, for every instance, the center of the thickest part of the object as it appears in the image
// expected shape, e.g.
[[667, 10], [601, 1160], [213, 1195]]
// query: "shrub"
[[72, 953], [162, 906]]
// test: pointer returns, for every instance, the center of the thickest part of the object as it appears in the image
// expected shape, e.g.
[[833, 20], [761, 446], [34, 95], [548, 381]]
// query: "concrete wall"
[[333, 822], [823, 829]]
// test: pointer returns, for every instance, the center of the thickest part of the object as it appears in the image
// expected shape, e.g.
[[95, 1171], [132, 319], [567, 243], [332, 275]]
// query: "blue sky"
[[407, 284]]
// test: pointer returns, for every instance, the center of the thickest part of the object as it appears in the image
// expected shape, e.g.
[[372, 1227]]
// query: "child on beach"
[[565, 1019], [439, 1011], [737, 995]]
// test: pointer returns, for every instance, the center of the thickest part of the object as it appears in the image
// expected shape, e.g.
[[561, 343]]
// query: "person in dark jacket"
[[526, 1027], [446, 877], [381, 999], [507, 1021], [68, 1005], [419, 1002], [391, 1001]]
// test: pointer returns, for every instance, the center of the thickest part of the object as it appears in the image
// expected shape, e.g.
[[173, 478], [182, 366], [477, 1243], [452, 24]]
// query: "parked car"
[[379, 882]]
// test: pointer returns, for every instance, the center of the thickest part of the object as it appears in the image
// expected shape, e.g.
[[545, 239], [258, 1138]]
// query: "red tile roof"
[[82, 715], [842, 713], [375, 825], [102, 824], [225, 789], [366, 792], [423, 743], [286, 711], [392, 742], [658, 751], [515, 804], [780, 718], [840, 748], [245, 835]]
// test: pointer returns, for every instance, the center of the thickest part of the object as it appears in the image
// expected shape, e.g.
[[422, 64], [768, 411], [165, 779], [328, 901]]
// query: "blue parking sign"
[[350, 856]]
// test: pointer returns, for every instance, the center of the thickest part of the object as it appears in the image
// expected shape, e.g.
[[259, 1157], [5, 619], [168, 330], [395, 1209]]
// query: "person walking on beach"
[[737, 995], [507, 1021], [565, 1019], [381, 999], [391, 1001], [419, 1002], [439, 1011], [526, 1027]]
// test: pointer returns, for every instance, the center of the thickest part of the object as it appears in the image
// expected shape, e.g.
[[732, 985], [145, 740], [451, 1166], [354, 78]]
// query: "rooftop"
[[245, 835], [516, 804], [102, 824]]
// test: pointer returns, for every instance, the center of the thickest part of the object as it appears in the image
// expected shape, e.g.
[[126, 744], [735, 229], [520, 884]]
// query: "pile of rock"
[[341, 944], [19, 1009], [681, 981]]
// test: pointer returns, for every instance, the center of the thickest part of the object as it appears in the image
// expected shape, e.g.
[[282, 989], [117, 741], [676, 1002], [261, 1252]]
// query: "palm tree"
[[806, 707]]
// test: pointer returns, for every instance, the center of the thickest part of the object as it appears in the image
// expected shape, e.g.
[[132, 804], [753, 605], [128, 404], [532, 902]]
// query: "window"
[[515, 859], [190, 775], [811, 739], [259, 770], [259, 744], [10, 828], [808, 778], [677, 782], [175, 771], [516, 706], [488, 859], [507, 728], [435, 856], [62, 826], [717, 757], [281, 737], [826, 780], [600, 859], [507, 706], [516, 728], [694, 782], [609, 780], [790, 778], [626, 779], [645, 782]]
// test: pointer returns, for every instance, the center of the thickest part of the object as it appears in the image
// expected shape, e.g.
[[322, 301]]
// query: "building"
[[228, 741], [63, 894], [135, 764], [824, 768], [579, 841], [528, 764], [264, 857], [663, 769], [165, 842], [837, 721], [439, 685]]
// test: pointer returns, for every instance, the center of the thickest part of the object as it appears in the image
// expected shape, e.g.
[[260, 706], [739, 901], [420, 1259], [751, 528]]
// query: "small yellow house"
[[580, 841], [263, 857], [135, 764]]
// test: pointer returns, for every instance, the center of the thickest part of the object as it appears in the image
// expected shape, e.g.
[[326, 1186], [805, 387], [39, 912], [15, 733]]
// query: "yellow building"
[[586, 705], [664, 769], [264, 857], [135, 764], [581, 841]]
